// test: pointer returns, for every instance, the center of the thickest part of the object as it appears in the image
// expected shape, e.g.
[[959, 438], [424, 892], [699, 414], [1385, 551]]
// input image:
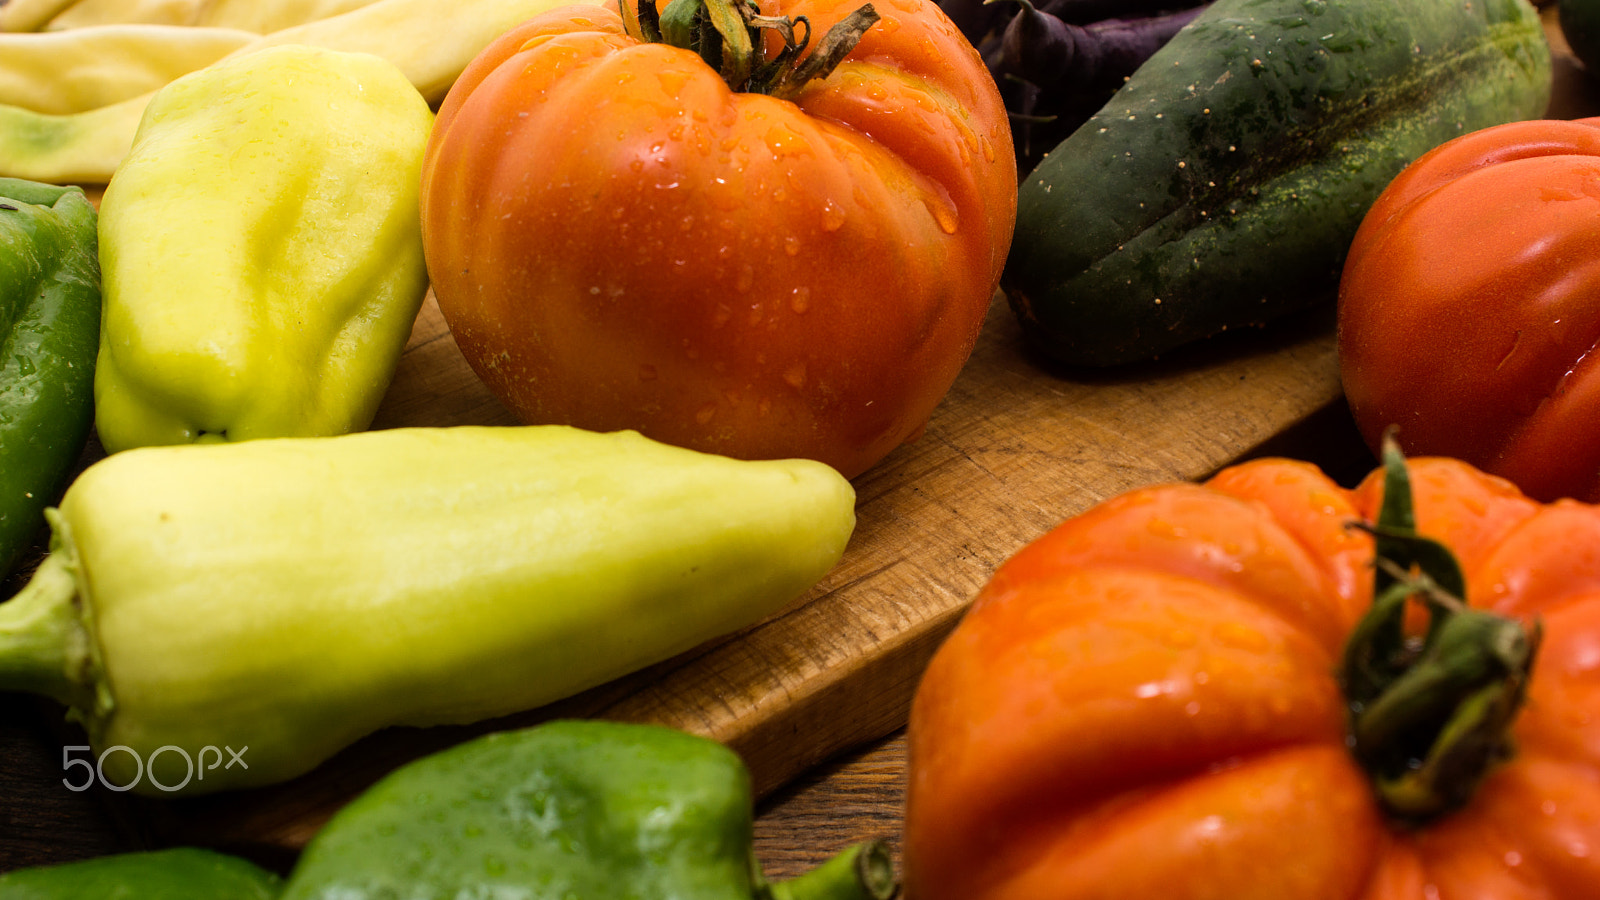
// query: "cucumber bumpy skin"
[[1221, 186]]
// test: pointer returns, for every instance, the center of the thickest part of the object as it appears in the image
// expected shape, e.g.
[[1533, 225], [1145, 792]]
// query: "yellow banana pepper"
[[261, 251], [290, 596]]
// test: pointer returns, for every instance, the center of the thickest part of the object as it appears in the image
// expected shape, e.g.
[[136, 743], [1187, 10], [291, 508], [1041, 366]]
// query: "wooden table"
[[814, 698]]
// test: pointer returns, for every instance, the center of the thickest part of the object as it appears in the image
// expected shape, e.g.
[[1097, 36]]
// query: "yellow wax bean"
[[62, 72]]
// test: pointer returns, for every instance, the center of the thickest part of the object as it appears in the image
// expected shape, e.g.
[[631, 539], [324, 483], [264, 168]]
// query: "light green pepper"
[[261, 251], [278, 599]]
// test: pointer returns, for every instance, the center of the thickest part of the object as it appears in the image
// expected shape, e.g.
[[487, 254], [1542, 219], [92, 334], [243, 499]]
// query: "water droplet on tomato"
[[988, 148], [763, 406], [672, 81], [747, 277], [832, 216], [791, 245], [888, 25], [795, 375], [800, 300], [943, 214], [756, 312], [705, 413], [721, 315], [785, 141]]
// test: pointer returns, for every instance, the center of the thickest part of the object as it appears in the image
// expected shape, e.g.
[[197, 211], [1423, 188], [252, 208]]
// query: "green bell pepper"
[[183, 873], [568, 810], [262, 251], [292, 595], [49, 329]]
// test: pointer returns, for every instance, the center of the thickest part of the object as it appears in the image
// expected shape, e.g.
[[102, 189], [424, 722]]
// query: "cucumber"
[[1222, 184]]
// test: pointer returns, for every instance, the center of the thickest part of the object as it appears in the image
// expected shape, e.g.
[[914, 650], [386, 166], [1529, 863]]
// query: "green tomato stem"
[[1430, 714], [727, 35]]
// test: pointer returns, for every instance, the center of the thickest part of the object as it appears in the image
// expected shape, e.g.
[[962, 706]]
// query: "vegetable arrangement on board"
[[743, 251], [772, 233], [1206, 669]]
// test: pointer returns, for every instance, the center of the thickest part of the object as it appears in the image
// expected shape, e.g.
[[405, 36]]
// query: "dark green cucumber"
[[1222, 184]]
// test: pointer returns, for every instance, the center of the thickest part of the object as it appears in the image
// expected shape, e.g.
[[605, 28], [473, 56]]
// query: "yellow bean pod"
[[60, 73], [427, 42], [30, 15], [246, 15]]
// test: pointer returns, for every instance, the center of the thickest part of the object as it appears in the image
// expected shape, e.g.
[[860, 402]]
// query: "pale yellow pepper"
[[261, 251]]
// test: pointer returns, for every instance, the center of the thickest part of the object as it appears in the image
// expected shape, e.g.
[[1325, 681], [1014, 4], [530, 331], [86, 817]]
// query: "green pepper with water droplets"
[[49, 332], [567, 810]]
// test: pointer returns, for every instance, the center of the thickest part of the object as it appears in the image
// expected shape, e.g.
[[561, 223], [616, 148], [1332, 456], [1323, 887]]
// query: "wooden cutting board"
[[1016, 447]]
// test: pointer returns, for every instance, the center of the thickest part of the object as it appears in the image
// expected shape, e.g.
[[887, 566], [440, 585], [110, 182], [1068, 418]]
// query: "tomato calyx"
[[729, 36], [1430, 713]]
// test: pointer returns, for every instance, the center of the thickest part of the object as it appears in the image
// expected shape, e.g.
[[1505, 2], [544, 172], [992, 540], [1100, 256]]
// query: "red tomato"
[[1470, 304], [619, 240]]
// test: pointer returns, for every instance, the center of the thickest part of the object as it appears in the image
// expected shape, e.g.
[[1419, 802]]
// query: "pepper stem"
[[860, 872], [43, 645], [1430, 714]]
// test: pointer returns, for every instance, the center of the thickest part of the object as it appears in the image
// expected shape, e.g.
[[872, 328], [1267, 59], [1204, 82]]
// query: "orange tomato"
[[619, 240], [1469, 307], [1145, 702]]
